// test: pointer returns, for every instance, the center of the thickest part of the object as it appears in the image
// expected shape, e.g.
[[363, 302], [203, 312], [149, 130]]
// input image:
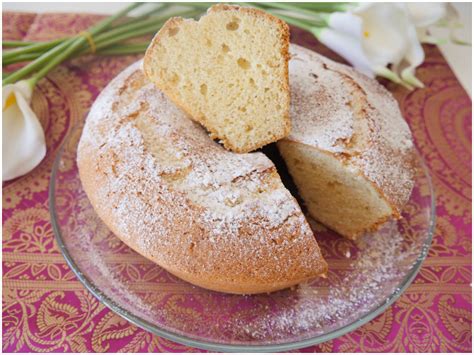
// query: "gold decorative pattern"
[[46, 309]]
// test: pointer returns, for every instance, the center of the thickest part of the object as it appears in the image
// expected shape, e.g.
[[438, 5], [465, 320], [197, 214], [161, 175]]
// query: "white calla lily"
[[373, 36], [452, 21], [23, 144], [424, 15], [344, 36]]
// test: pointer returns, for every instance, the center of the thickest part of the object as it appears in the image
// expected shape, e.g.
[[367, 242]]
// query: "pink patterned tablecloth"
[[45, 308]]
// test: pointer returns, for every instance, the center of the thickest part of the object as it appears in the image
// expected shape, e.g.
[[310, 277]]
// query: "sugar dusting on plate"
[[356, 285], [380, 261]]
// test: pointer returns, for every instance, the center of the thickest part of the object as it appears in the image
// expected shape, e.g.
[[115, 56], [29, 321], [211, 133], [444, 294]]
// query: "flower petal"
[[376, 35], [388, 74], [346, 47], [426, 14], [346, 23], [453, 22], [414, 57], [23, 141], [6, 94], [425, 37], [384, 33]]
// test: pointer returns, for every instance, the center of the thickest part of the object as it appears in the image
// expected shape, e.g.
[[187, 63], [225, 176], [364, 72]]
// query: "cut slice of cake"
[[350, 152], [229, 71]]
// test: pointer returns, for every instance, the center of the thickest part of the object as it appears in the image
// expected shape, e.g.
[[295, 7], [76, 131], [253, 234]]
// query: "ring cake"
[[218, 219], [223, 220]]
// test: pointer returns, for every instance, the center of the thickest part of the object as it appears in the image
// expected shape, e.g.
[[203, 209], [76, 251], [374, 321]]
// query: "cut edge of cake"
[[350, 140]]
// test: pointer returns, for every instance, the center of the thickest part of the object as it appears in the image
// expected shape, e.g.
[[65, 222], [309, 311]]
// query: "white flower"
[[23, 143], [424, 15], [374, 35]]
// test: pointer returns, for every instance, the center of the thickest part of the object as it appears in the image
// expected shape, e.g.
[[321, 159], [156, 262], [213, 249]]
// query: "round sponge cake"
[[218, 219]]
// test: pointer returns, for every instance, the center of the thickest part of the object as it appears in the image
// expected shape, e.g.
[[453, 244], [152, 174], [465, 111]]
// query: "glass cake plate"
[[364, 278]]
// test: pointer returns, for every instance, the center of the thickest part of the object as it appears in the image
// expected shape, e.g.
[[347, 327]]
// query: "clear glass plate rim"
[[407, 280]]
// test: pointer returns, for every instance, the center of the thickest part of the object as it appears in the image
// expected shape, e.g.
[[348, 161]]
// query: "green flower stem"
[[43, 59], [21, 58], [77, 43], [160, 7], [320, 6], [32, 48], [100, 44], [295, 22], [28, 47], [122, 37], [101, 41], [119, 49], [304, 24], [14, 44], [198, 5], [106, 39], [26, 55], [319, 19], [313, 7], [31, 82], [124, 49], [62, 51], [151, 22]]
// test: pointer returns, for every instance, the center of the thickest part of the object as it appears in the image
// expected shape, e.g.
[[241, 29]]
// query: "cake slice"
[[350, 152], [228, 71]]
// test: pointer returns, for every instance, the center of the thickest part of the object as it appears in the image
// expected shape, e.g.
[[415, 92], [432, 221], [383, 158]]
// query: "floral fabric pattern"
[[45, 308]]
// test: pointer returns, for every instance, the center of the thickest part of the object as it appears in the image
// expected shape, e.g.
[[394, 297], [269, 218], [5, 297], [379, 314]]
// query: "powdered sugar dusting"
[[380, 261], [368, 278], [319, 116], [338, 110], [175, 195], [89, 255]]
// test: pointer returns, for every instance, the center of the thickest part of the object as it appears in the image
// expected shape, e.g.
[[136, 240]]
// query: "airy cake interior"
[[343, 201], [229, 72]]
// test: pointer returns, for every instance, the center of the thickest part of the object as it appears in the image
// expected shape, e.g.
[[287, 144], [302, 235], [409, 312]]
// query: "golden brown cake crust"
[[343, 113], [217, 219]]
